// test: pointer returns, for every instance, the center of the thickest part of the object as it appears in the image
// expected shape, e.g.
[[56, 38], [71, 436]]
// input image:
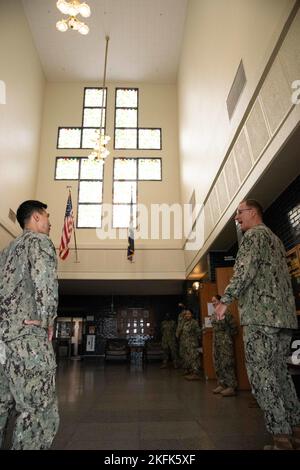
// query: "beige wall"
[[252, 138], [157, 108], [20, 117], [218, 34]]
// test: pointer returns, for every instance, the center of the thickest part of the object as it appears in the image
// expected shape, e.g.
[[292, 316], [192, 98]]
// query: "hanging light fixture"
[[100, 151], [73, 8]]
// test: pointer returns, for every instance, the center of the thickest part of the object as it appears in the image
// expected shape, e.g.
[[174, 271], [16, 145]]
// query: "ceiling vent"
[[193, 201], [12, 216], [236, 89]]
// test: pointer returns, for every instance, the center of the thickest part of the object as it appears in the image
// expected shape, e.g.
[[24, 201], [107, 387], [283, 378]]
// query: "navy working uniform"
[[28, 291], [261, 282]]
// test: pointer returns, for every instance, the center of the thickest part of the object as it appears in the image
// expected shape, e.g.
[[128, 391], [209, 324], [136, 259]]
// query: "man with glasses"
[[261, 282]]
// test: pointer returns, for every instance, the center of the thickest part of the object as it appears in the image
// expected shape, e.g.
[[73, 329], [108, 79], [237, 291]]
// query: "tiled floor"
[[119, 406]]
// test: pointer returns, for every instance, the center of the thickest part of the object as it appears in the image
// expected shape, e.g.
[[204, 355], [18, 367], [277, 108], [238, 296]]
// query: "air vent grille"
[[12, 216], [236, 89]]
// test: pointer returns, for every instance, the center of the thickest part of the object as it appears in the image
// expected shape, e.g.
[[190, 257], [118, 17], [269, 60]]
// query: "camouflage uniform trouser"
[[224, 359], [183, 354], [27, 382], [266, 352], [170, 350], [190, 356]]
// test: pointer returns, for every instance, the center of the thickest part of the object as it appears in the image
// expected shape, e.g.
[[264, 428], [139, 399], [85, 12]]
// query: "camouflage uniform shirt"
[[28, 285], [261, 281], [168, 330]]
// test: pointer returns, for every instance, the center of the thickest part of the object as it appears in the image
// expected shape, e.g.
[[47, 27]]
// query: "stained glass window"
[[126, 139], [92, 117], [90, 191], [126, 97], [93, 97], [149, 168], [67, 169], [89, 215], [83, 137], [150, 139], [125, 168], [126, 118], [69, 137], [91, 170], [127, 173], [128, 135], [89, 138], [123, 190], [89, 175]]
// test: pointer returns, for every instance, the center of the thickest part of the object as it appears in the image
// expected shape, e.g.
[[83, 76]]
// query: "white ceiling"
[[144, 46]]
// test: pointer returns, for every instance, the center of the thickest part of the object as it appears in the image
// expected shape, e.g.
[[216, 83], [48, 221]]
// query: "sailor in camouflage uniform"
[[28, 306], [223, 353], [180, 321], [262, 284], [168, 341], [189, 342]]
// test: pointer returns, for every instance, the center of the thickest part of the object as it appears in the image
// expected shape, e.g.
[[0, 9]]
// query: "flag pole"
[[74, 229], [130, 249]]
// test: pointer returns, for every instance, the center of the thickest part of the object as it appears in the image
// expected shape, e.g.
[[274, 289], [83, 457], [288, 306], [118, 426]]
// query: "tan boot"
[[192, 377], [281, 442], [218, 389], [296, 438], [228, 392]]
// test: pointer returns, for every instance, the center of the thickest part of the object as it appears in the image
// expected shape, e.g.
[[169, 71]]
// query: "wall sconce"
[[196, 286]]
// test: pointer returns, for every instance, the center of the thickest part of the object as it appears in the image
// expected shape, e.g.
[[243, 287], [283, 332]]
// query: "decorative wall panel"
[[231, 175], [275, 96], [222, 192], [257, 130], [242, 156]]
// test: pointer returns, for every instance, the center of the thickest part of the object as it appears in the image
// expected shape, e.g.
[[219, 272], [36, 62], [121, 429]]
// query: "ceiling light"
[[62, 26], [73, 8], [84, 10]]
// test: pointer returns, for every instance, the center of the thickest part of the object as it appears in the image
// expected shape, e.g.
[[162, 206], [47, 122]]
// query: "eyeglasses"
[[239, 211]]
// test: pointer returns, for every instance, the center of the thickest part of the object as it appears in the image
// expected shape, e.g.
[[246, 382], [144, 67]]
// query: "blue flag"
[[130, 248]]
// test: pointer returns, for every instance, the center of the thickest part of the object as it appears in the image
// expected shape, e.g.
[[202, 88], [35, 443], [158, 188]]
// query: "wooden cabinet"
[[223, 276]]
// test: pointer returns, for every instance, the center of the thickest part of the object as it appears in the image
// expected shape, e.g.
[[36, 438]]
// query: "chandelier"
[[73, 8], [100, 151]]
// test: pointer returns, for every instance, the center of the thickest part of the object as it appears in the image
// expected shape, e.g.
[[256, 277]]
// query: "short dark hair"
[[27, 208], [255, 205], [217, 296], [188, 309]]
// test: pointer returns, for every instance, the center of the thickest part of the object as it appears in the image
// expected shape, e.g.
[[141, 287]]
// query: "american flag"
[[67, 230], [130, 249]]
